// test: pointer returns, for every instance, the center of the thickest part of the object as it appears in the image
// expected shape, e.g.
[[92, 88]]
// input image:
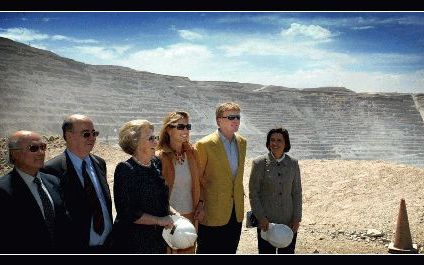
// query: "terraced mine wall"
[[39, 88]]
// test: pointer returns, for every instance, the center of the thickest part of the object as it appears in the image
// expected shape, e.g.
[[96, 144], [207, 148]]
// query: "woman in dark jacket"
[[140, 193]]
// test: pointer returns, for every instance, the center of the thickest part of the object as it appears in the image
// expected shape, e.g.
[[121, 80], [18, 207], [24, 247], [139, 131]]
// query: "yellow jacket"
[[218, 190]]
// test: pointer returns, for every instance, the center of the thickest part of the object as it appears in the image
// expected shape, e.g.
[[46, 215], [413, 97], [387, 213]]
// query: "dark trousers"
[[219, 239], [266, 248], [101, 249]]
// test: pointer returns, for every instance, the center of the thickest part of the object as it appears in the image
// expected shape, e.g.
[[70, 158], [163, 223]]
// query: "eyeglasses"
[[232, 117], [153, 138], [87, 134], [180, 126], [33, 147]]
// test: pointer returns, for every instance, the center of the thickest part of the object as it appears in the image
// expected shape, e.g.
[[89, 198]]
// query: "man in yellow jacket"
[[221, 159]]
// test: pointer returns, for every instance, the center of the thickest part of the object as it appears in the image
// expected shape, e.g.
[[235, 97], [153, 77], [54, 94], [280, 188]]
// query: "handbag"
[[251, 220]]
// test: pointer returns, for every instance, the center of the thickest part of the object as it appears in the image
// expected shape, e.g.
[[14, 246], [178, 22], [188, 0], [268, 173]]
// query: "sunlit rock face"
[[39, 88]]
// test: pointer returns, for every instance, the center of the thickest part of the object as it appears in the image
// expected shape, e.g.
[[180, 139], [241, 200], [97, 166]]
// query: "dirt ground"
[[342, 200]]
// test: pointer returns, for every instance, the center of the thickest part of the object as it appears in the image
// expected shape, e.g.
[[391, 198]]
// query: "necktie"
[[94, 202], [47, 206]]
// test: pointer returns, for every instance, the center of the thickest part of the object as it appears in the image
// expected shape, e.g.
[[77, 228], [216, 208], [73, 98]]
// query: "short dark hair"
[[285, 134], [67, 126]]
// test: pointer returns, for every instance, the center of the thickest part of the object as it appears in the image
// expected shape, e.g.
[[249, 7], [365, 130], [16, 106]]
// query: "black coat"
[[138, 190], [22, 225], [75, 198]]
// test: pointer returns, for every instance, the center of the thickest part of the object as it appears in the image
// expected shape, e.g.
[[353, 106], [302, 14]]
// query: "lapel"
[[101, 176], [52, 191], [70, 174], [219, 150], [241, 150], [25, 199]]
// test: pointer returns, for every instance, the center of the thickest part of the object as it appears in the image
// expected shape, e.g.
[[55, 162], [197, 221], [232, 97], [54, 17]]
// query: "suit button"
[[278, 164], [280, 182], [280, 193], [279, 174]]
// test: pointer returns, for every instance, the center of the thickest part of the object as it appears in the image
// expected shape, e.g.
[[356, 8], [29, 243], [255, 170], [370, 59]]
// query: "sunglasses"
[[34, 147], [86, 134], [180, 126], [232, 117], [153, 138]]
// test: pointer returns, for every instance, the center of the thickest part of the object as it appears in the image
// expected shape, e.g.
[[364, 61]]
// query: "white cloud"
[[97, 51], [178, 59], [189, 35], [71, 39], [26, 35], [357, 81], [39, 46], [121, 49], [23, 35], [363, 27], [302, 51], [312, 31]]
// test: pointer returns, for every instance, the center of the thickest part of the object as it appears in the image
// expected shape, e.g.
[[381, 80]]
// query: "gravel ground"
[[342, 200]]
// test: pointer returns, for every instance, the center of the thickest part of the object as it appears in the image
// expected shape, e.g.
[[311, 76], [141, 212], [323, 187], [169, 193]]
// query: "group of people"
[[64, 205]]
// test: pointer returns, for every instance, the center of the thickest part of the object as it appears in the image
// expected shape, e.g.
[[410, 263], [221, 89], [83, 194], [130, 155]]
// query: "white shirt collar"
[[280, 159]]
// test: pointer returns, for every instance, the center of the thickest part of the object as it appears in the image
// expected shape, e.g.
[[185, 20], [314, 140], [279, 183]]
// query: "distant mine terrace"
[[39, 88]]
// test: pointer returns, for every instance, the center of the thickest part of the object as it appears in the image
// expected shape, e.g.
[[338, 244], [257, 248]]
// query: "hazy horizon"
[[362, 51]]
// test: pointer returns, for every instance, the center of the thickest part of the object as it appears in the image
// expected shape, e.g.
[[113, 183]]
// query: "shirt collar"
[[29, 180], [280, 159], [224, 139], [76, 161]]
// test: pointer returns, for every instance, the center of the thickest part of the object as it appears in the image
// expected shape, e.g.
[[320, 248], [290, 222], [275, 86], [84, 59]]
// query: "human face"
[[277, 144], [229, 127], [27, 161], [147, 144], [179, 136], [77, 143]]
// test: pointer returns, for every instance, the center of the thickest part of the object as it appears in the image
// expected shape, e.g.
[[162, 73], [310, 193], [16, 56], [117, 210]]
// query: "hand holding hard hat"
[[278, 235], [182, 235]]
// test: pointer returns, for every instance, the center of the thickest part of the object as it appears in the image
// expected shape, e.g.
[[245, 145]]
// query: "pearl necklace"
[[142, 164]]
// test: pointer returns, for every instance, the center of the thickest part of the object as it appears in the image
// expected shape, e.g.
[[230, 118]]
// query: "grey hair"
[[67, 126], [130, 134], [13, 144]]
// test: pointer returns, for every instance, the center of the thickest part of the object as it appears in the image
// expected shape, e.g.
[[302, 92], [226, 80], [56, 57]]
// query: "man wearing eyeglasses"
[[84, 181], [221, 164], [33, 217]]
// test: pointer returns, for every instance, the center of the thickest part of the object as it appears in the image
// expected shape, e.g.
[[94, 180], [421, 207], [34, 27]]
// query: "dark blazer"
[[75, 198], [22, 225]]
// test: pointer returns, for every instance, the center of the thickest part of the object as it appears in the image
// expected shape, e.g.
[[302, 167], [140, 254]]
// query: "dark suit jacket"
[[22, 225], [75, 198]]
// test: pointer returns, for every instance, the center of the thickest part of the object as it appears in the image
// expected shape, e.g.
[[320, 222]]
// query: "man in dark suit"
[[84, 182], [33, 217]]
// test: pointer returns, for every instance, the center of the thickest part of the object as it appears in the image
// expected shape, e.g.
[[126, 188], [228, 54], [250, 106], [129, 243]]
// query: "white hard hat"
[[182, 235], [278, 235]]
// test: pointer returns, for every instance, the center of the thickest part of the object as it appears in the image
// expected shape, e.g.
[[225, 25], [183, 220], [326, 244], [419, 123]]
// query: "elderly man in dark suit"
[[84, 181], [33, 217]]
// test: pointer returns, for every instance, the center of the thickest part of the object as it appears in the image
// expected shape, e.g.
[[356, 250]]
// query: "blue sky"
[[362, 51]]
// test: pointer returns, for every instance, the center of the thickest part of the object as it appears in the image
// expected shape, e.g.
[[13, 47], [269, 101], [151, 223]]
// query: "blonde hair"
[[130, 134], [171, 117], [225, 107]]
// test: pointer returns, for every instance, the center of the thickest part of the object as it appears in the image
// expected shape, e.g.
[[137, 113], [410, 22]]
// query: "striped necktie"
[[47, 206]]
